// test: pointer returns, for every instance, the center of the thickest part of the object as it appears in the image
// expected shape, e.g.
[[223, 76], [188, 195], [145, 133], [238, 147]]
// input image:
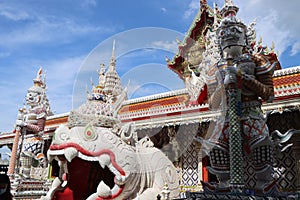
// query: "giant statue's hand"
[[20, 123], [230, 75], [248, 77]]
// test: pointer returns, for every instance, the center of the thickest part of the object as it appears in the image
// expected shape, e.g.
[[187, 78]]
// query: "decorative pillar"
[[13, 157], [235, 140]]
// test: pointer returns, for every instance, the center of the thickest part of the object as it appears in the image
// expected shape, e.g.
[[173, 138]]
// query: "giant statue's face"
[[33, 98], [232, 35]]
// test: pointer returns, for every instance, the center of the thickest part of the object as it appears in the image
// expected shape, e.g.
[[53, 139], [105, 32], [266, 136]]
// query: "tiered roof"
[[193, 45], [287, 83]]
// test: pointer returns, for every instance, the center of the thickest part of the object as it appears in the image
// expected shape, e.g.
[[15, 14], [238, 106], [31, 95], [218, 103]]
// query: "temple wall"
[[191, 169]]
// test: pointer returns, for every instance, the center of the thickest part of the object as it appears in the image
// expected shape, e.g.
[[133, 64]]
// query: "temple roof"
[[193, 45], [190, 50], [287, 83]]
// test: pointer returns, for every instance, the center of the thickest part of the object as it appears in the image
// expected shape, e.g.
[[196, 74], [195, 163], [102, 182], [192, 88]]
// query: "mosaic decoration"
[[249, 173], [235, 142], [190, 175], [285, 169]]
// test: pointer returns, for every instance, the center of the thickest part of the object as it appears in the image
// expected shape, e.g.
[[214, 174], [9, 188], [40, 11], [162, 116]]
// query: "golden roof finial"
[[39, 73], [272, 47], [167, 59], [259, 41], [178, 41], [38, 80], [266, 50]]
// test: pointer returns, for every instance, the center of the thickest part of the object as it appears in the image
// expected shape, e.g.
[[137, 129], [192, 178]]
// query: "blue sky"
[[70, 38]]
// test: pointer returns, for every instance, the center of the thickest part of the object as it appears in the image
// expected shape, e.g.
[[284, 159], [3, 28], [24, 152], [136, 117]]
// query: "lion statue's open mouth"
[[97, 164], [87, 169]]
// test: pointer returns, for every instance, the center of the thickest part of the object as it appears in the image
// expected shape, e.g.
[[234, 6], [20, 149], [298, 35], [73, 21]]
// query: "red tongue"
[[64, 177], [66, 194]]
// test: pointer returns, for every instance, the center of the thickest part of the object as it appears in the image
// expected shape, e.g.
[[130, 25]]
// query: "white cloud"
[[61, 75], [13, 91], [276, 21], [171, 46], [138, 88], [146, 90], [295, 48], [89, 3], [61, 72], [46, 28], [13, 14], [193, 7], [164, 10], [133, 86], [4, 54], [142, 77]]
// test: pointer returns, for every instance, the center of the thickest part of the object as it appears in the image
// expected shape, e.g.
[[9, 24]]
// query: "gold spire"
[[113, 49], [112, 79], [113, 59]]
